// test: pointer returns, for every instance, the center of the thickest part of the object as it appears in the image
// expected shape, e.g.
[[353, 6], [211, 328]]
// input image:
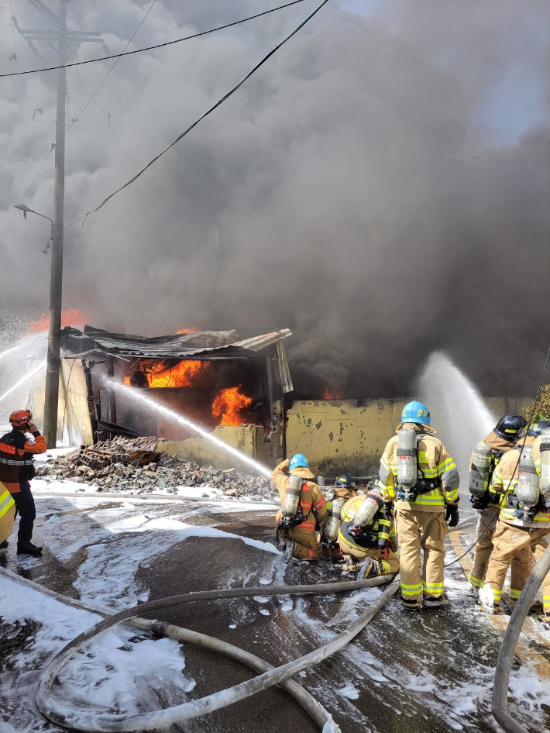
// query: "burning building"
[[221, 382]]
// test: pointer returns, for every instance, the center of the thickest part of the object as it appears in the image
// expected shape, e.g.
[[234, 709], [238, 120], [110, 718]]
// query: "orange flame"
[[331, 393], [181, 375], [70, 317], [187, 330], [228, 403]]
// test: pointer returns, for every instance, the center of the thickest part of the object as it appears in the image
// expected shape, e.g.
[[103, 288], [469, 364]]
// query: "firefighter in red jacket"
[[16, 470]]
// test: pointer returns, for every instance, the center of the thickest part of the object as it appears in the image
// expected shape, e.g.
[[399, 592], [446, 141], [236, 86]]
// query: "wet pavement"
[[429, 672]]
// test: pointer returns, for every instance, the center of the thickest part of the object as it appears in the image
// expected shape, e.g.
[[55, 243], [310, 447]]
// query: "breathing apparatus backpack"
[[332, 527], [292, 511], [410, 479], [544, 483], [526, 496], [484, 461], [363, 527]]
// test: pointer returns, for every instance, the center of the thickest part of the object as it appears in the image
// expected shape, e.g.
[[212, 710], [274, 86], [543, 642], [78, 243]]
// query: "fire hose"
[[506, 656], [83, 720]]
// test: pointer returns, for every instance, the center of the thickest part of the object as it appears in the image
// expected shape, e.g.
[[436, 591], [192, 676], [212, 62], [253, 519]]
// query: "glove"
[[386, 553], [451, 514], [283, 466], [480, 502]]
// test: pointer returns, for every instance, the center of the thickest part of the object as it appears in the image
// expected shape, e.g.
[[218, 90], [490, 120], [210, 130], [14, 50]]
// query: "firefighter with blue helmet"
[[421, 479], [303, 507]]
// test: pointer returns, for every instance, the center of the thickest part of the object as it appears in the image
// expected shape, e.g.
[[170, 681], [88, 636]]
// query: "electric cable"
[[158, 45], [210, 110], [504, 493]]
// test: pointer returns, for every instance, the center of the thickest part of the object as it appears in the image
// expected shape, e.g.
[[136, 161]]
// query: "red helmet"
[[20, 418]]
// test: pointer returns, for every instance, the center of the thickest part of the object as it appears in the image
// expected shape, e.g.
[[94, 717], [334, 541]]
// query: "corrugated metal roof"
[[200, 345]]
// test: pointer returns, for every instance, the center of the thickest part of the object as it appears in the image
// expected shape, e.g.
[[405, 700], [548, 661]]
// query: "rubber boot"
[[27, 548], [436, 601], [368, 569], [412, 604]]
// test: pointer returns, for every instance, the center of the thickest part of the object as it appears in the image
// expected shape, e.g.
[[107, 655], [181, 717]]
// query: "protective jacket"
[[16, 458], [312, 500], [381, 528], [499, 447], [504, 482], [435, 464], [7, 513]]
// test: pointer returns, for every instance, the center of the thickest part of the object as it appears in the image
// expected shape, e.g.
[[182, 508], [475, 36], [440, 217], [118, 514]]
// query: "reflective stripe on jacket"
[[6, 501], [16, 452], [381, 528], [504, 482], [434, 461]]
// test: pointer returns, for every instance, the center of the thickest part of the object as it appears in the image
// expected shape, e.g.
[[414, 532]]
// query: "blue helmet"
[[416, 412], [298, 461]]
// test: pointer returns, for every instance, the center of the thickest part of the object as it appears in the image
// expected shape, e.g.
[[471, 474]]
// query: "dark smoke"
[[381, 187]]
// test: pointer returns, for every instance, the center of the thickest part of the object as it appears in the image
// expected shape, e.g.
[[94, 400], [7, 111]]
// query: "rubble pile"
[[135, 465]]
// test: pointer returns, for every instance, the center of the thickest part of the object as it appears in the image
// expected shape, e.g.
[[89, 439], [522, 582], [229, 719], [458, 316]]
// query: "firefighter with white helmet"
[[485, 501], [366, 534], [303, 508], [523, 526], [421, 479]]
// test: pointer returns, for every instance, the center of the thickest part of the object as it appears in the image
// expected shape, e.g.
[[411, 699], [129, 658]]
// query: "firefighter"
[[421, 479], [7, 516], [520, 531], [310, 508], [16, 470], [366, 533], [342, 491], [500, 440]]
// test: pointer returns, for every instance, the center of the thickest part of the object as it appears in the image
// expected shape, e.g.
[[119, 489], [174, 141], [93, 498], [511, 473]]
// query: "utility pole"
[[67, 41]]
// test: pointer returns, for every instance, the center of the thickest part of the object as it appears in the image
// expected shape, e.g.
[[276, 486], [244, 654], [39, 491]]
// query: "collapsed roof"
[[201, 346]]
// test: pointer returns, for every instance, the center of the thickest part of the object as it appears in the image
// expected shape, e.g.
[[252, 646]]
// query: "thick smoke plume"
[[381, 186]]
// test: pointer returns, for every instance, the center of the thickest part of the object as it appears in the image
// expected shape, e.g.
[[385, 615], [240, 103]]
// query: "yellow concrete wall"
[[325, 429], [244, 438]]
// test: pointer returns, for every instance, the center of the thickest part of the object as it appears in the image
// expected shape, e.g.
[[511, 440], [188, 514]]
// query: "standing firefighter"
[[343, 490], [365, 534], [524, 521], [303, 505], [17, 469], [483, 462], [422, 479]]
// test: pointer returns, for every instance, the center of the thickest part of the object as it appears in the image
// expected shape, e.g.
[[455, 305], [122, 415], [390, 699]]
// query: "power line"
[[152, 48], [209, 111]]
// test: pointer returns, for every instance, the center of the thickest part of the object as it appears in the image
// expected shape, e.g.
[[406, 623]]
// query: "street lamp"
[[25, 210]]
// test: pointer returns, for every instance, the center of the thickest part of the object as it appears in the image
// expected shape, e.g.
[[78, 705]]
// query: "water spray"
[[11, 350], [138, 396], [23, 379]]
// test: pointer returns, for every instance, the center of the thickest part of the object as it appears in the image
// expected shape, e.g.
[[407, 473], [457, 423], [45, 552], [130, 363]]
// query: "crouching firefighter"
[[522, 480], [304, 507], [16, 471], [366, 534], [422, 480], [343, 490], [483, 462]]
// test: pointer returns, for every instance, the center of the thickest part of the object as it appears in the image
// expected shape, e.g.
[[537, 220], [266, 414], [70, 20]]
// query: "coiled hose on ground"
[[270, 676], [506, 656]]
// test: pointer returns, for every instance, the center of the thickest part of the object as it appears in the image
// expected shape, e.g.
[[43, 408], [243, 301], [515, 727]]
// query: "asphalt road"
[[429, 672]]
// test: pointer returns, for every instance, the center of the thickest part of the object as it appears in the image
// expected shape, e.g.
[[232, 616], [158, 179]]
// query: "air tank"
[[407, 465], [479, 473], [334, 521], [545, 463], [292, 496], [527, 489], [367, 511]]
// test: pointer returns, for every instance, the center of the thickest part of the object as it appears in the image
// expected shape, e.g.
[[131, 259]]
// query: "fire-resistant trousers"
[[416, 530], [515, 543], [389, 565], [6, 523], [486, 525], [26, 509], [305, 546]]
